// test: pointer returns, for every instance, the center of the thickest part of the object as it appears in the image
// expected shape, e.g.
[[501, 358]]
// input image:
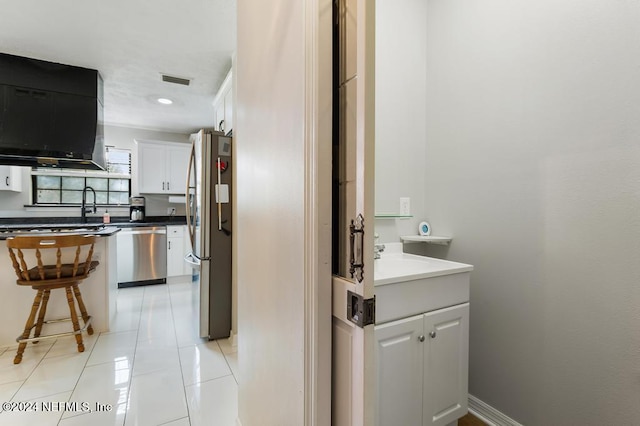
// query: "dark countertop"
[[103, 231], [28, 222], [10, 227]]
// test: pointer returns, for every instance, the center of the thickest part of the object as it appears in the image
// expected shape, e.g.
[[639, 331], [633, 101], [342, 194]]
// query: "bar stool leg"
[[28, 326], [41, 314], [74, 318], [83, 309]]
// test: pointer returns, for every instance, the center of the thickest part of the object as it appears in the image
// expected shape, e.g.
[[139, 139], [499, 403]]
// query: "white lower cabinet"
[[423, 368], [176, 265]]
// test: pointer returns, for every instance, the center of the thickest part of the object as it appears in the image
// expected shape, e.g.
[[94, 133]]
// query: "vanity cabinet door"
[[399, 352], [446, 365]]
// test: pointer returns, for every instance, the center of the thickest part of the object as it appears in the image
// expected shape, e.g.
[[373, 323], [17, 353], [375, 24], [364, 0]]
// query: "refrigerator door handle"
[[191, 227]]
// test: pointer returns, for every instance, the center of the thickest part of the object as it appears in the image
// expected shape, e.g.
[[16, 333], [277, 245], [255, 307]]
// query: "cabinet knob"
[[432, 334], [421, 338]]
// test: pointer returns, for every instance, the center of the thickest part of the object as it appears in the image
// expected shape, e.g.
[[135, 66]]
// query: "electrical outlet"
[[405, 206], [171, 211]]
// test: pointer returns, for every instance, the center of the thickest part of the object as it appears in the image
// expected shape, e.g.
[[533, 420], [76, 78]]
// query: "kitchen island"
[[98, 290]]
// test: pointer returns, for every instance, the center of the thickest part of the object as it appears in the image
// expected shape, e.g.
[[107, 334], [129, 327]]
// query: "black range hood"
[[50, 114]]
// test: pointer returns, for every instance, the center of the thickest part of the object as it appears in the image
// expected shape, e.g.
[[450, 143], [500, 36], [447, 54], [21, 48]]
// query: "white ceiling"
[[131, 43]]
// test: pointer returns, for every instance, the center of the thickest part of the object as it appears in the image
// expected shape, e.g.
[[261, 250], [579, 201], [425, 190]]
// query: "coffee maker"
[[136, 209]]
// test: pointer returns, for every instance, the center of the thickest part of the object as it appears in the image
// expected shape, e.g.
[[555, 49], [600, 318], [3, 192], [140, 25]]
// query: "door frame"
[[318, 197]]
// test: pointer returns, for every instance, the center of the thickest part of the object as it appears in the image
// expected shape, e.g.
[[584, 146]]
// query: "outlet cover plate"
[[405, 206]]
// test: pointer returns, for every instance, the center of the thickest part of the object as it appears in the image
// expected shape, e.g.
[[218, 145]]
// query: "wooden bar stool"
[[65, 273]]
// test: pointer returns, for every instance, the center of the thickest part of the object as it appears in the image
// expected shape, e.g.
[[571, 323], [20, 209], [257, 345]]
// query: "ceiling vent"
[[176, 80]]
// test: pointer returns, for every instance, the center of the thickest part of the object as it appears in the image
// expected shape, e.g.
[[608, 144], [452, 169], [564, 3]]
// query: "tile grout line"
[[80, 375], [32, 371], [133, 361], [175, 332], [228, 364], [102, 363]]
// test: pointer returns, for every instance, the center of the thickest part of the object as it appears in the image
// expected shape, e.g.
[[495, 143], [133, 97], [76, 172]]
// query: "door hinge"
[[361, 311]]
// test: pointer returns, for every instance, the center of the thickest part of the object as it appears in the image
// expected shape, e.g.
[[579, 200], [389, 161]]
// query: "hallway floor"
[[152, 369]]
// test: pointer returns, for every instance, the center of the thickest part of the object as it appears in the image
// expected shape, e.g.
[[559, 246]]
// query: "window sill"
[[56, 210]]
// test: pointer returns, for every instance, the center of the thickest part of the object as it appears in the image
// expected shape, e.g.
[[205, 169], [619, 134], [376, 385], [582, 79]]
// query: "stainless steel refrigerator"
[[209, 223]]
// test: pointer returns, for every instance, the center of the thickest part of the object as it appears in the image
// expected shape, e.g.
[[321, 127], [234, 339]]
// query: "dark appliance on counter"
[[209, 224], [50, 114], [136, 209]]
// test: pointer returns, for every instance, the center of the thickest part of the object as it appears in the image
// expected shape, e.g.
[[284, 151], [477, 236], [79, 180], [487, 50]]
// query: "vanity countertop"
[[407, 284]]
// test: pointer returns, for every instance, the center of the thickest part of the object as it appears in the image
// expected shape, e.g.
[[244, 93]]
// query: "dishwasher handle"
[[147, 231]]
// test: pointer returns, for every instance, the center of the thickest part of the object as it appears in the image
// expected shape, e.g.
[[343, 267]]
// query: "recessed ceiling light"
[[165, 101]]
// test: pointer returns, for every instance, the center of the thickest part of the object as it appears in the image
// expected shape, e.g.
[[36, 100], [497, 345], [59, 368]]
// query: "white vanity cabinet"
[[162, 167], [400, 359], [423, 368], [176, 265], [10, 178]]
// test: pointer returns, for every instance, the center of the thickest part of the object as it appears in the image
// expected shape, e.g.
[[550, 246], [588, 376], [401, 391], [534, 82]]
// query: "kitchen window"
[[64, 186]]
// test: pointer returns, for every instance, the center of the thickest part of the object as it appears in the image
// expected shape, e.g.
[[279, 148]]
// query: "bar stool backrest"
[[69, 265]]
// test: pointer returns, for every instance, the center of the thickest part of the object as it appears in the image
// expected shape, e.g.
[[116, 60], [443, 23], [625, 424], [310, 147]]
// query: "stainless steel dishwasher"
[[142, 256]]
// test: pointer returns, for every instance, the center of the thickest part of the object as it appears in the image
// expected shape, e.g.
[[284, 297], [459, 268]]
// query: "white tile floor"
[[152, 369]]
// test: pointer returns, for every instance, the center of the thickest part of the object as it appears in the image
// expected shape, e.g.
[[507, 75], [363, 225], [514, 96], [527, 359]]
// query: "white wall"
[[533, 165], [12, 203], [400, 110], [283, 158]]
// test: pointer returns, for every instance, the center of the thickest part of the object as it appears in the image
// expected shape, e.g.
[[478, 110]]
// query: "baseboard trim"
[[233, 339], [488, 414]]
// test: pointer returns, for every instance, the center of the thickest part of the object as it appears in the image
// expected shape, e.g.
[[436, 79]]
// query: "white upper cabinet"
[[10, 178], [177, 164], [223, 106], [162, 167], [228, 111]]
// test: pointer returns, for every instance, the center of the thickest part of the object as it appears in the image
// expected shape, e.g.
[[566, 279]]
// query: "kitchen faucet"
[[86, 210]]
